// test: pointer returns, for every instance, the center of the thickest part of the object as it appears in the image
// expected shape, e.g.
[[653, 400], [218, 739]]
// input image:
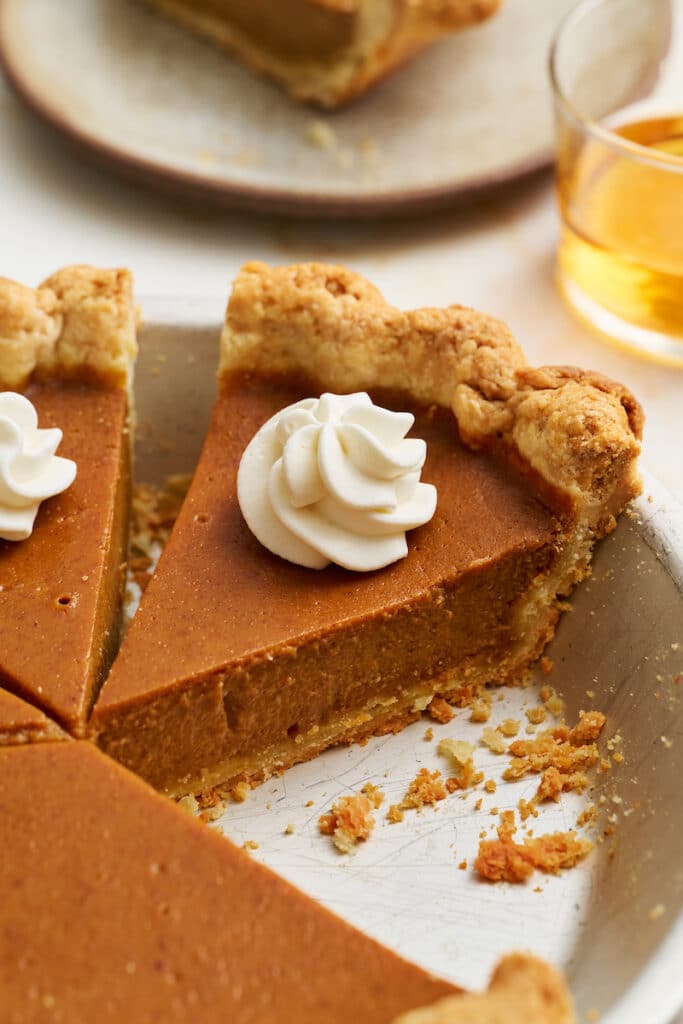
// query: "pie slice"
[[22, 723], [239, 663], [326, 51], [160, 917], [69, 348], [167, 920]]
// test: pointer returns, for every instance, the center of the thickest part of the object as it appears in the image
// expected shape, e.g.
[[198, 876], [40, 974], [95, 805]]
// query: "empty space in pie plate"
[[471, 110]]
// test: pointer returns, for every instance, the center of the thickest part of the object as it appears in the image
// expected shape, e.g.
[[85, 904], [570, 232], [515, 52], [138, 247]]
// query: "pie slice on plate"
[[66, 357], [239, 663], [159, 918], [326, 51]]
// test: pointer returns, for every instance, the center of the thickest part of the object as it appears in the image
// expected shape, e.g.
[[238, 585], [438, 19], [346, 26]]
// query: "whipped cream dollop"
[[30, 471], [335, 479]]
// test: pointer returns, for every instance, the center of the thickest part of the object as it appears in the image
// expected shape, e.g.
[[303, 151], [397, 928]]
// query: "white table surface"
[[496, 255]]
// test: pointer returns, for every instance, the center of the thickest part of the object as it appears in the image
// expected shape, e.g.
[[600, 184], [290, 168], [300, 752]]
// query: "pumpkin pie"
[[239, 663], [69, 347], [326, 51], [166, 920]]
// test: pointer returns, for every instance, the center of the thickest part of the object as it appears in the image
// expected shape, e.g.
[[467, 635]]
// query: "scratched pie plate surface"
[[614, 923], [147, 97]]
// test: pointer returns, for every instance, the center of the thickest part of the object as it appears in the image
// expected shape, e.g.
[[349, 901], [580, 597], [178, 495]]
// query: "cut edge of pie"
[[76, 335], [573, 436], [378, 36]]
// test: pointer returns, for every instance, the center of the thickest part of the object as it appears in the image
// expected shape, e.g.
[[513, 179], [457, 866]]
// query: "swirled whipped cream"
[[335, 479], [30, 471]]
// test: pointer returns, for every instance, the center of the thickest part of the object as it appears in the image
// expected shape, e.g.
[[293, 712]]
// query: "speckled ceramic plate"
[[614, 923], [471, 112]]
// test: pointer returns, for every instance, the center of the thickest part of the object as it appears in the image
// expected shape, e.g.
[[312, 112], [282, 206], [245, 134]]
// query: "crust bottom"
[[46, 733]]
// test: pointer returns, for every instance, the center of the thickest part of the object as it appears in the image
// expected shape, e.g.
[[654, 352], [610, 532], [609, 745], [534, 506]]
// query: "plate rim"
[[234, 195]]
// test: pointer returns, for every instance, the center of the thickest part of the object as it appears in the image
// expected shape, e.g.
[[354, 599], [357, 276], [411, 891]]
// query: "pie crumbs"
[[503, 859], [350, 821]]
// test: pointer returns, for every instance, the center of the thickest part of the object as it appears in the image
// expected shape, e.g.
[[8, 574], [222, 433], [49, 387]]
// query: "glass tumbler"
[[617, 74]]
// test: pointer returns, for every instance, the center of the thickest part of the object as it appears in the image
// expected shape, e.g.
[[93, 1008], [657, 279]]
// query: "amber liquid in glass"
[[622, 224]]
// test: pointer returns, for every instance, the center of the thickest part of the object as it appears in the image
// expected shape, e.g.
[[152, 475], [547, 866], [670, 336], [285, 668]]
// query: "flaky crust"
[[523, 990], [386, 34], [578, 431], [80, 321]]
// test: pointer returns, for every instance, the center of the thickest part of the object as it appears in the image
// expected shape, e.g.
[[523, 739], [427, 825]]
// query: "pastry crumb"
[[527, 809], [189, 803], [250, 844], [588, 728], [490, 786], [427, 788], [461, 756], [552, 701], [350, 821], [374, 794], [440, 710], [492, 739], [463, 865], [547, 665], [503, 859], [480, 710], [588, 815], [656, 912], [667, 742], [211, 805], [289, 829], [560, 755], [509, 727], [536, 715], [213, 813], [428, 735], [240, 792]]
